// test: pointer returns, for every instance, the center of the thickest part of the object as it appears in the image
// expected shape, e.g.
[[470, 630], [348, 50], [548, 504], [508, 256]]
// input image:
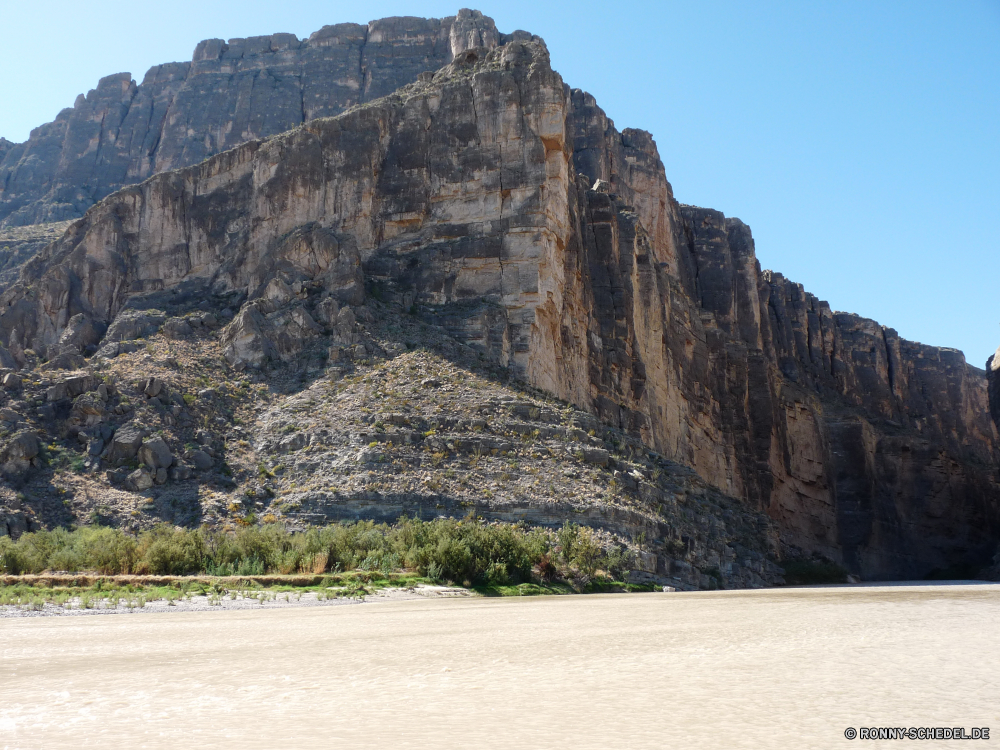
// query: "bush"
[[168, 551], [466, 551]]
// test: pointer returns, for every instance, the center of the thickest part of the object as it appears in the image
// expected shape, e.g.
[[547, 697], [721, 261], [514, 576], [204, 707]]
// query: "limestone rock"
[[153, 387], [88, 410], [507, 209], [155, 453], [125, 443], [17, 453], [7, 360], [80, 334], [201, 460], [122, 132], [139, 480], [131, 324], [65, 361], [177, 328], [993, 376]]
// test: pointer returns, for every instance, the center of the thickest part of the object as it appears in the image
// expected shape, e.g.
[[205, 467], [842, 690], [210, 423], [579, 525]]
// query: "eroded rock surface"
[[499, 205], [123, 131]]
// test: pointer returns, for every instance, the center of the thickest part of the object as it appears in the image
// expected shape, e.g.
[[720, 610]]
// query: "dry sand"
[[743, 669]]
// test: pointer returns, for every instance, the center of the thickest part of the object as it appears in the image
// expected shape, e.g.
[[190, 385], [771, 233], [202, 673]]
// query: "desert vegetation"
[[468, 552]]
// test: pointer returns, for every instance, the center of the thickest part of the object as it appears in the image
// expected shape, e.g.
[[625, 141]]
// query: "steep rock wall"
[[122, 132], [509, 209]]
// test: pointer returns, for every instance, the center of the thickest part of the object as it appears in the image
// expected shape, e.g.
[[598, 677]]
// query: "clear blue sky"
[[859, 140]]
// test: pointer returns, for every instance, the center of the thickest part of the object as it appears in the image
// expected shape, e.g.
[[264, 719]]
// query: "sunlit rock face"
[[490, 198], [123, 131]]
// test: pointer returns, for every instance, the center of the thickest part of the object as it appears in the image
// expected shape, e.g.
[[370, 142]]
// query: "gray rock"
[[161, 476], [80, 333], [201, 460], [65, 361], [133, 324], [177, 328], [125, 443], [139, 480], [182, 113], [17, 453], [155, 453], [88, 410], [597, 456], [12, 382], [7, 360]]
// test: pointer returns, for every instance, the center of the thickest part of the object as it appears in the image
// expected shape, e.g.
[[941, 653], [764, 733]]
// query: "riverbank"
[[57, 595]]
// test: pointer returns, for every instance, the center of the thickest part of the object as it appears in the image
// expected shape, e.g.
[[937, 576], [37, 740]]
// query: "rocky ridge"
[[404, 422], [504, 209], [230, 92]]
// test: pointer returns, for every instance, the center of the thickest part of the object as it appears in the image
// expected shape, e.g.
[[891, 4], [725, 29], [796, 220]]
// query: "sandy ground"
[[788, 668]]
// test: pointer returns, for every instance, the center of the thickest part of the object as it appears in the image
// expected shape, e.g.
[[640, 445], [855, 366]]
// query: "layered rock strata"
[[122, 131], [497, 202]]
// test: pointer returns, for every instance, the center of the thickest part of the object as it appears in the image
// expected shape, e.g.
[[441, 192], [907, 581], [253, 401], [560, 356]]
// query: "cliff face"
[[502, 205], [122, 132]]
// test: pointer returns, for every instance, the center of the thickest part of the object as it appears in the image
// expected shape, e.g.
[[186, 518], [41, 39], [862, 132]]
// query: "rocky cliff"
[[494, 202], [122, 132]]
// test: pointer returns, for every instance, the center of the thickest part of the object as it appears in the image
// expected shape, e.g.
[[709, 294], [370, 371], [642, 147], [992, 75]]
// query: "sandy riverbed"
[[775, 668]]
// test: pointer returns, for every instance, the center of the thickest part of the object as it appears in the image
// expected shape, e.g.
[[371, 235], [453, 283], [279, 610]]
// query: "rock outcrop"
[[18, 245], [122, 132], [993, 376], [494, 201]]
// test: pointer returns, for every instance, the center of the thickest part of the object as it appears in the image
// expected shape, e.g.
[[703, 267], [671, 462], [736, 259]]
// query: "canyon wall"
[[122, 132], [495, 201]]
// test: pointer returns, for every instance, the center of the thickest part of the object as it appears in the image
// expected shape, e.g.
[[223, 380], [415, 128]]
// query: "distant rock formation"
[[492, 199], [122, 132], [993, 375]]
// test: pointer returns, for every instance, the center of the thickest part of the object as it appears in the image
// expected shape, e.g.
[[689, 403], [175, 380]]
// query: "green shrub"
[[465, 551], [169, 551]]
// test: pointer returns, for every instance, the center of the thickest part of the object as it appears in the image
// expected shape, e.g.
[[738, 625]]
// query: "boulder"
[[80, 332], [244, 339], [139, 480], [133, 324], [155, 453], [88, 410], [326, 311], [12, 381], [597, 456], [153, 387], [17, 453], [201, 460], [177, 328], [65, 361], [278, 292], [7, 360], [125, 443], [72, 387]]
